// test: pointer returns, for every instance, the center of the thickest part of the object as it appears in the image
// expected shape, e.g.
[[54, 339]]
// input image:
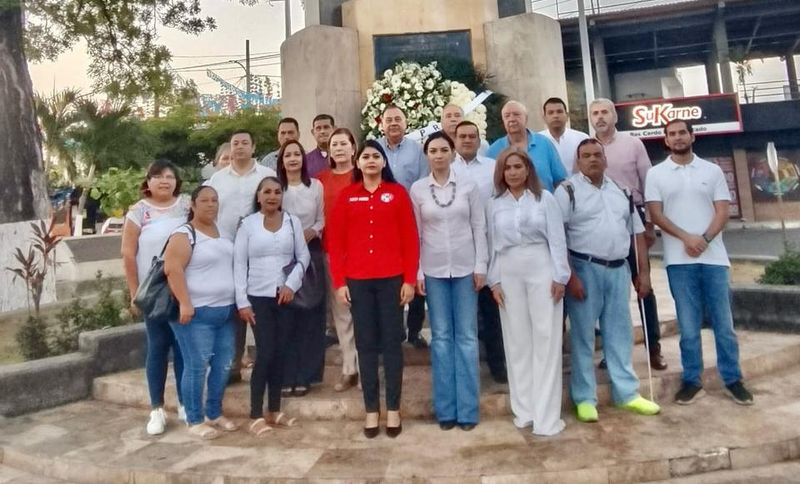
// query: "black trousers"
[[490, 332], [650, 315], [305, 352], [239, 343], [271, 332], [378, 325], [416, 316]]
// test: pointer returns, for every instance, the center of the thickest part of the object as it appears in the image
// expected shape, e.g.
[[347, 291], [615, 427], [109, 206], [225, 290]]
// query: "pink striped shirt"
[[628, 163]]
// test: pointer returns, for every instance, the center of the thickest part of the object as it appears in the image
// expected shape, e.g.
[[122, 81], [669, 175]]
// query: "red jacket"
[[373, 235]]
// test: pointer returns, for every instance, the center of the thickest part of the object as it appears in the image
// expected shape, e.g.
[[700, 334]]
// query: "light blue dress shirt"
[[545, 158]]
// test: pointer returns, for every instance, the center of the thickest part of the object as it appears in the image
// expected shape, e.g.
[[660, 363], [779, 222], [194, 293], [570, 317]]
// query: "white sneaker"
[[157, 423], [182, 413]]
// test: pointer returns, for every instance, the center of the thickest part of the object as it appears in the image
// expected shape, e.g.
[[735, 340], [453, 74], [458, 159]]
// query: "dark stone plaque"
[[507, 8], [420, 47], [330, 12]]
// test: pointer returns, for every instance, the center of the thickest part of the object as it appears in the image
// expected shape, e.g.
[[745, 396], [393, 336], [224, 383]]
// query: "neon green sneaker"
[[586, 412], [642, 406]]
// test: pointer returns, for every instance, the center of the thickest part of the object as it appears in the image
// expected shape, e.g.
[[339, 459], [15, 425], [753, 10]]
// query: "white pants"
[[343, 322], [532, 336]]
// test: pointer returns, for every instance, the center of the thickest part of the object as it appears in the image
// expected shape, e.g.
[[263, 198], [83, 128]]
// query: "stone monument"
[[328, 66]]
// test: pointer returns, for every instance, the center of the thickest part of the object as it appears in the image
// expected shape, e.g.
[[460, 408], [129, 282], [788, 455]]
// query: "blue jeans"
[[207, 344], [699, 288], [160, 339], [453, 315], [607, 292]]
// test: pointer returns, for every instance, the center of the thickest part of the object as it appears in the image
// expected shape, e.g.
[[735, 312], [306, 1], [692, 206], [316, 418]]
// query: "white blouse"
[[209, 274], [260, 256], [307, 204], [452, 238], [526, 221]]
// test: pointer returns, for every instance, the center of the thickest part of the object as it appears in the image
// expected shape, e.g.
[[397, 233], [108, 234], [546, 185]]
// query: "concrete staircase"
[[714, 440]]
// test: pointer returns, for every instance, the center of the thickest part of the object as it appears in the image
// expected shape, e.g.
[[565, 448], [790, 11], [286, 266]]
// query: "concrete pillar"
[[723, 53], [526, 61], [323, 12], [317, 79], [746, 208], [603, 85], [712, 74], [791, 74]]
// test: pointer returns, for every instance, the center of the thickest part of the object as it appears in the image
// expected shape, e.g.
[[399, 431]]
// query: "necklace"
[[449, 202]]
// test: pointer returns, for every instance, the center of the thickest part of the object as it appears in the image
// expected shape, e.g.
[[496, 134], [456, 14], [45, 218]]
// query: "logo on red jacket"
[[387, 197]]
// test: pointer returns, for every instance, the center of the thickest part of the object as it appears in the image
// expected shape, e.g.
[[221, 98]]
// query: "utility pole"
[[247, 64], [288, 19], [586, 59]]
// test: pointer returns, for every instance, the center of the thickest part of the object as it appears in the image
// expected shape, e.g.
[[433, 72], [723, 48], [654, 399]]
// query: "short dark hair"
[[554, 100], [435, 136], [589, 141], [468, 123], [689, 126], [156, 168], [386, 173], [289, 120], [281, 169], [323, 117], [242, 131]]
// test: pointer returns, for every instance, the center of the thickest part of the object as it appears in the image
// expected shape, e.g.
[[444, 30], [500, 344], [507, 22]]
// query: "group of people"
[[499, 241]]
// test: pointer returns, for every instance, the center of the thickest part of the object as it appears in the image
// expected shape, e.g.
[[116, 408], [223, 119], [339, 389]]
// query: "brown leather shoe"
[[656, 360], [346, 382]]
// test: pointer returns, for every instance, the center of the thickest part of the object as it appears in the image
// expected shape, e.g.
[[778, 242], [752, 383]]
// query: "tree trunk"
[[23, 191]]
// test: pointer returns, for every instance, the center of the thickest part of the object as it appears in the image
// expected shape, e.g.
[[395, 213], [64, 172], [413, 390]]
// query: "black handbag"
[[311, 293], [153, 296]]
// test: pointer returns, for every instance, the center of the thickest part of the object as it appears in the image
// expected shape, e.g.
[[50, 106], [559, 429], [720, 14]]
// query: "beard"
[[681, 151]]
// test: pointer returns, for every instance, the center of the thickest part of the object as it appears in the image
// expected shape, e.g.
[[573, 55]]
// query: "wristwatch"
[[707, 238]]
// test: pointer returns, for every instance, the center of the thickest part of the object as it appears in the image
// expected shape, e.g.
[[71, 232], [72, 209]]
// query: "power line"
[[212, 64], [228, 56]]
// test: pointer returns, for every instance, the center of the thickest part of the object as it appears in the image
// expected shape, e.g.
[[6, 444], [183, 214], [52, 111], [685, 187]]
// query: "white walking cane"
[[640, 301]]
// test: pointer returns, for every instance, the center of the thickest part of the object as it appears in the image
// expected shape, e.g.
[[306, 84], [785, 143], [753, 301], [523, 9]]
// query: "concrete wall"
[[652, 84], [526, 61], [49, 382], [766, 308], [13, 291], [379, 17], [319, 69]]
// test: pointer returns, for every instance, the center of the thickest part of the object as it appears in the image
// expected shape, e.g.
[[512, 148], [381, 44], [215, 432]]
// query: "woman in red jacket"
[[374, 252]]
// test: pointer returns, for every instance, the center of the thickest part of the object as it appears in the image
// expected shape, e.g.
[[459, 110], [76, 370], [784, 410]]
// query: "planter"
[[50, 382], [767, 308]]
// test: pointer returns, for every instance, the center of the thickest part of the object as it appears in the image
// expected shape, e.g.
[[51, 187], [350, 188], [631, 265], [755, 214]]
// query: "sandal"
[[259, 427], [287, 391], [345, 383], [283, 420], [223, 423], [204, 431], [300, 391]]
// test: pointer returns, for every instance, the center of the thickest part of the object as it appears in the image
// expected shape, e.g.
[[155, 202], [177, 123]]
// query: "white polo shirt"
[[480, 170], [237, 193], [687, 193], [599, 223], [567, 146]]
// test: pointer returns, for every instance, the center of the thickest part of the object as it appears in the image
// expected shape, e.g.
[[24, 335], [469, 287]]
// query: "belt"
[[597, 260]]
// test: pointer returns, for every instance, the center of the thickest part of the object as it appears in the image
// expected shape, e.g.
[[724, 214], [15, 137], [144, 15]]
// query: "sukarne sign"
[[714, 114]]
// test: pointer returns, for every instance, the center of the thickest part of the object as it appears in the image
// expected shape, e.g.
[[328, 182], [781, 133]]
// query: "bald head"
[[515, 117]]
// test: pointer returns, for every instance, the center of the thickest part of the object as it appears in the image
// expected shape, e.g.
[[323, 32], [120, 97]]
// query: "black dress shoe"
[[447, 424], [467, 426], [602, 365], [372, 432], [393, 432], [656, 360], [418, 342]]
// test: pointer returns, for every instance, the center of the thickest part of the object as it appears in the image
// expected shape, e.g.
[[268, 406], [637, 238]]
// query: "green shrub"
[[784, 271], [32, 339]]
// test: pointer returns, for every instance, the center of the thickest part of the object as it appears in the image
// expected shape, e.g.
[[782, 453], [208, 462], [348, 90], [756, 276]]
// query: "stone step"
[[761, 354], [10, 475], [101, 442], [780, 473]]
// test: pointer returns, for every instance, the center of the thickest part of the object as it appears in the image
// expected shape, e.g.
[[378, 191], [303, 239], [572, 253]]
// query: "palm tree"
[[57, 114]]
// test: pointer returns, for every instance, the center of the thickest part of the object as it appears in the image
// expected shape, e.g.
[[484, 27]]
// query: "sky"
[[263, 24]]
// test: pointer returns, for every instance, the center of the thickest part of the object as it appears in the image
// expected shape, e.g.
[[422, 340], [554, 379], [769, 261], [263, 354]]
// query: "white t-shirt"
[[307, 204], [567, 146], [236, 195], [155, 226], [687, 193], [209, 274]]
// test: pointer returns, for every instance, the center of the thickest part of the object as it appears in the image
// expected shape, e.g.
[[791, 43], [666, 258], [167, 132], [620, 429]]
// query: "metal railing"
[[765, 91], [560, 9]]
